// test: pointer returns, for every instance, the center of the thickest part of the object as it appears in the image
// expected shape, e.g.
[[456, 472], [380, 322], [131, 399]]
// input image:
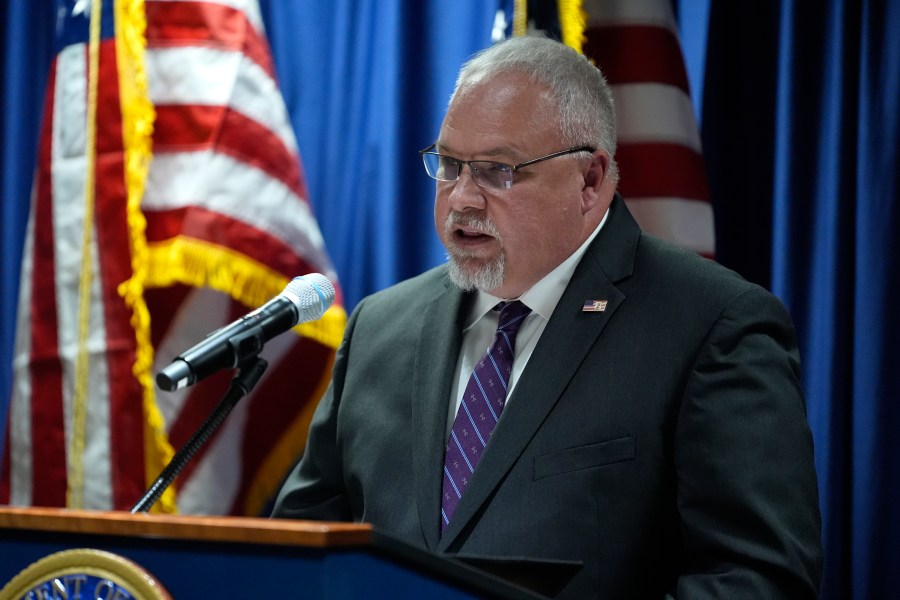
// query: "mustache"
[[477, 222]]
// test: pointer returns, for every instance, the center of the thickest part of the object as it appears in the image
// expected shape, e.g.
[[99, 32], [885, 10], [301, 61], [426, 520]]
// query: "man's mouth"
[[470, 231], [470, 234]]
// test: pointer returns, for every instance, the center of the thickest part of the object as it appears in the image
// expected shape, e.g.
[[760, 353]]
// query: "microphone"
[[306, 298]]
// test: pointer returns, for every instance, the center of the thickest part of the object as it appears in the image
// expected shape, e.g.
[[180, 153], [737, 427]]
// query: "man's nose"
[[466, 194]]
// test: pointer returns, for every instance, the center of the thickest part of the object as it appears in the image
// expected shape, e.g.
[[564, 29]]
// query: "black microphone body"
[[306, 298]]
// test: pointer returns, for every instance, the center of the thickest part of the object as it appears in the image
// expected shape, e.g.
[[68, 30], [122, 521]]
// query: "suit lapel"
[[433, 372], [565, 342]]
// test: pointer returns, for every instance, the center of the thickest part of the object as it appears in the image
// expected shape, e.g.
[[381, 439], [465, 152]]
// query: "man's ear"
[[594, 179]]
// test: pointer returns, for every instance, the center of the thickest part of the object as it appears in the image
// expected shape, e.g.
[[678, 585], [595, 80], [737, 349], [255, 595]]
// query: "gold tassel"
[[520, 17], [75, 474]]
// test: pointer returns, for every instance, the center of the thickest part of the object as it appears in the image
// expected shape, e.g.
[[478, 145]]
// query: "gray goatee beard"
[[466, 269]]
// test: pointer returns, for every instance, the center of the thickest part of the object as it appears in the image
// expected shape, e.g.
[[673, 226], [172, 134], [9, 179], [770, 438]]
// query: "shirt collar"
[[544, 295]]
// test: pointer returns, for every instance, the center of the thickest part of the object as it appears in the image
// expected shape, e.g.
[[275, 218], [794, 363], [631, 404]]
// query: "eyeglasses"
[[486, 173]]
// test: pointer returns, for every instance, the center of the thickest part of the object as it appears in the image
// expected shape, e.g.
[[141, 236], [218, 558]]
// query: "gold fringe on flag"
[[138, 115], [572, 22], [202, 264]]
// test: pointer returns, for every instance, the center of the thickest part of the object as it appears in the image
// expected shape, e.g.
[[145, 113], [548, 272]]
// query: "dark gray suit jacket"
[[662, 443]]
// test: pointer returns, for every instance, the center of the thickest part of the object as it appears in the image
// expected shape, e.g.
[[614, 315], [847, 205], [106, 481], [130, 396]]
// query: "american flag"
[[635, 43], [662, 175], [220, 224]]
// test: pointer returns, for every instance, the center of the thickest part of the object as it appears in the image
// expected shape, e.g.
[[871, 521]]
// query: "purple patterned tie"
[[480, 408]]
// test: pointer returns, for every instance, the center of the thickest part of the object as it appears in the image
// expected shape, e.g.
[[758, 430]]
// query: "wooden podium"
[[230, 557]]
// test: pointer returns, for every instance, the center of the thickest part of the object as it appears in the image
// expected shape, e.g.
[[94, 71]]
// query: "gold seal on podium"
[[84, 573]]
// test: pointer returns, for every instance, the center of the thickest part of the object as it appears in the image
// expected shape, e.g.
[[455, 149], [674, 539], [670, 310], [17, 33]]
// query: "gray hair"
[[583, 99]]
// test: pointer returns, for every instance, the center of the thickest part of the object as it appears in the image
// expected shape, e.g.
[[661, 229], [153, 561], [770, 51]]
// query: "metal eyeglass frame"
[[479, 168]]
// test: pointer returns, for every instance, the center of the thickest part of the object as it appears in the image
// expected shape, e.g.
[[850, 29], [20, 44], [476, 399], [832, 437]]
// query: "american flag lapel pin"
[[594, 306]]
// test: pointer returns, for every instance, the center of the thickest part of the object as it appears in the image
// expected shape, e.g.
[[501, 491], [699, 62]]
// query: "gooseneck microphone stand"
[[248, 375]]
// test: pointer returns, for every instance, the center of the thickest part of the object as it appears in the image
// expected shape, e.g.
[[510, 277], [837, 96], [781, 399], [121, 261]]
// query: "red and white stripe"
[[662, 175], [225, 174], [223, 141], [37, 464]]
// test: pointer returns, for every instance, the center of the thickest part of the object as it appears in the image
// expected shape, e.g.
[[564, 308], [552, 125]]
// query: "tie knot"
[[512, 315]]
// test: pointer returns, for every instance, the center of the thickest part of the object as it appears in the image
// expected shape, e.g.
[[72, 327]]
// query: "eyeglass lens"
[[485, 172]]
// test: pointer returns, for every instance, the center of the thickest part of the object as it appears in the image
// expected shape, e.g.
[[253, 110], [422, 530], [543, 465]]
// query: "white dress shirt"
[[481, 324]]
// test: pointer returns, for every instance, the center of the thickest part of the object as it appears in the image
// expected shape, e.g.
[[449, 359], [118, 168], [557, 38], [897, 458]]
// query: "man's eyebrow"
[[507, 151]]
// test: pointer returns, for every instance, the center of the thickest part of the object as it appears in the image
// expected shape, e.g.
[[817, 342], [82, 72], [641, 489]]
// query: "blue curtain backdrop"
[[801, 132], [799, 104]]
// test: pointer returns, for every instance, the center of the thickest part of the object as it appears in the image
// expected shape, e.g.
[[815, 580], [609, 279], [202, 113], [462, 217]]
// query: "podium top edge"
[[188, 527]]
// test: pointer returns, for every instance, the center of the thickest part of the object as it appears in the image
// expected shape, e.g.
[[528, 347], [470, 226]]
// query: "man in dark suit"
[[653, 430]]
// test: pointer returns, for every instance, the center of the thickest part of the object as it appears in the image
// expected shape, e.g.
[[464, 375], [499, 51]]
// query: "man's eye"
[[496, 167], [448, 167]]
